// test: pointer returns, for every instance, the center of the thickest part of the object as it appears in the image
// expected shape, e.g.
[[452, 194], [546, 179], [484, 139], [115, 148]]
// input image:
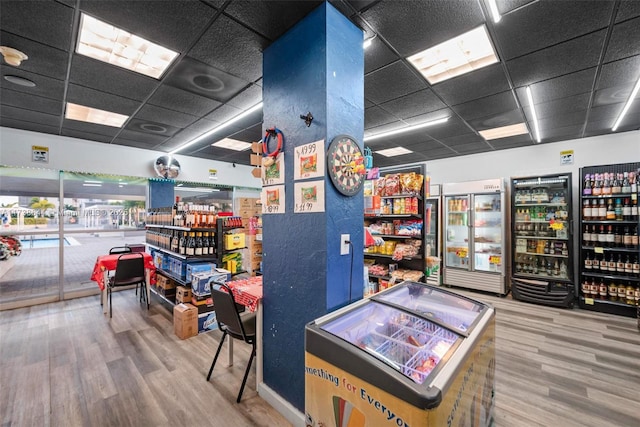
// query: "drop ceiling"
[[580, 58]]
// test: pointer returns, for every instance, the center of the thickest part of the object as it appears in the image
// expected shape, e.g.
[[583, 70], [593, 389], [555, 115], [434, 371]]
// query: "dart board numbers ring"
[[344, 158]]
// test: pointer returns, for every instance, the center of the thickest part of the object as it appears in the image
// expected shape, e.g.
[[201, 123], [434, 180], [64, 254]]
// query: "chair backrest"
[[120, 250], [129, 269], [226, 311]]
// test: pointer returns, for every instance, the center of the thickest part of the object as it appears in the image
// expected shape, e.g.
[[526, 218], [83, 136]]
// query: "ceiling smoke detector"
[[12, 56]]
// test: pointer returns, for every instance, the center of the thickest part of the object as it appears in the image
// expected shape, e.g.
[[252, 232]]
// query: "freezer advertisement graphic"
[[336, 398]]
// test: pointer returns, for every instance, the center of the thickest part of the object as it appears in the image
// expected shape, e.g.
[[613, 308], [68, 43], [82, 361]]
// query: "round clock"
[[345, 165]]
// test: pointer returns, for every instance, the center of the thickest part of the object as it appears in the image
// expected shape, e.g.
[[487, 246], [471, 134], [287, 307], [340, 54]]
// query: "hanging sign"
[[39, 154], [309, 160], [309, 196]]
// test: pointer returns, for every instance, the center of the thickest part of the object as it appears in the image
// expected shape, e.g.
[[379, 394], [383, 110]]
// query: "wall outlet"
[[344, 246]]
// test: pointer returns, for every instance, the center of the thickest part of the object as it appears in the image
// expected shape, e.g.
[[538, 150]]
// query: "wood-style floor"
[[66, 364]]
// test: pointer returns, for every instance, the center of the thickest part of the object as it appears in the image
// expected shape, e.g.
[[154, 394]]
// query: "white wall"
[[80, 155]]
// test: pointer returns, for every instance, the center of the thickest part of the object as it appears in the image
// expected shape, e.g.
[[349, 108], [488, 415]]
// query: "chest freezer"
[[413, 355]]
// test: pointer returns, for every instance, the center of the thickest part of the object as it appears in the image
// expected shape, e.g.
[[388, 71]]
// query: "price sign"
[[309, 160], [461, 253], [588, 301], [273, 199], [272, 209], [598, 250], [303, 207], [274, 173], [495, 259], [555, 225], [308, 197]]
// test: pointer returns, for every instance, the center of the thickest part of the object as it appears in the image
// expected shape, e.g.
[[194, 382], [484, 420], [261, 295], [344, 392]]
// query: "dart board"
[[345, 164]]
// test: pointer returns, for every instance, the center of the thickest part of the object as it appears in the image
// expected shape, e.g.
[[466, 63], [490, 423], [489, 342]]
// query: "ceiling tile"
[[144, 137], [453, 127], [30, 102], [489, 105], [497, 120], [173, 24], [564, 132], [628, 9], [624, 41], [462, 140], [155, 129], [92, 128], [476, 84], [45, 86], [475, 148], [569, 119], [360, 4], [612, 95], [559, 87], [74, 133], [135, 144], [104, 101], [414, 104], [564, 58], [557, 107], [378, 55], [512, 142], [44, 60], [506, 6], [15, 113], [251, 134], [247, 98], [410, 28], [201, 126], [46, 22], [376, 116], [201, 79], [162, 115], [34, 127], [392, 82], [520, 32], [610, 112], [179, 100], [223, 113], [620, 72], [230, 47], [108, 78]]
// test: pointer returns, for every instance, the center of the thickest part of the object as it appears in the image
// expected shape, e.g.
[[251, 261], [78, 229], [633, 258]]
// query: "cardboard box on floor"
[[185, 321]]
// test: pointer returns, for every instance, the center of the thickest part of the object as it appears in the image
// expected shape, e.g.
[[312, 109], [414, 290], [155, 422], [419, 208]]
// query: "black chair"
[[120, 250], [129, 271], [231, 323]]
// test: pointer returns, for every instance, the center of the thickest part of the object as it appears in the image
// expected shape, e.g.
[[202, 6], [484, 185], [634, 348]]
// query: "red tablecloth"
[[247, 292], [109, 262]]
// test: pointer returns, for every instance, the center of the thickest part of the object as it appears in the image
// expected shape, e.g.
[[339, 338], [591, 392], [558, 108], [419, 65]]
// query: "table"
[[106, 263], [248, 292]]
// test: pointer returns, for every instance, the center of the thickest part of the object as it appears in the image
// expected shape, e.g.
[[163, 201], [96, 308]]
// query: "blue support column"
[[317, 67], [160, 193]]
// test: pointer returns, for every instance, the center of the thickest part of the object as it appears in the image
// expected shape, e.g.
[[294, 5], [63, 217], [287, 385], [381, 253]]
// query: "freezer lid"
[[453, 311], [410, 344]]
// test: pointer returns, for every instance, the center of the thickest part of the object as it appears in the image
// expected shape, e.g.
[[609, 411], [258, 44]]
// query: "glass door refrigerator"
[[413, 355], [433, 235], [542, 270], [475, 230], [609, 249]]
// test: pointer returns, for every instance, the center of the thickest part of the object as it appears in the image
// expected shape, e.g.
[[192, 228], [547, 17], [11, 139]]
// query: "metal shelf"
[[518, 236], [203, 258], [416, 257], [541, 277], [550, 255], [605, 248], [162, 297], [610, 276], [524, 205], [402, 196]]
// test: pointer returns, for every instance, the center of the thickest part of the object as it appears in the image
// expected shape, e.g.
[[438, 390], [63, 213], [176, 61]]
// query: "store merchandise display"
[[395, 218], [610, 252], [542, 267]]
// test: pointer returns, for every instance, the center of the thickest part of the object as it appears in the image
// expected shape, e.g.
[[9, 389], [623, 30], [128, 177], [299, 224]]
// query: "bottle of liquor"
[[174, 211], [585, 288], [611, 212], [198, 248], [630, 291], [594, 288], [613, 291], [610, 240], [616, 184], [174, 241], [212, 244], [604, 264], [602, 289], [586, 210], [191, 244], [635, 267], [634, 238], [626, 186], [606, 185], [617, 237], [618, 209], [182, 243], [596, 189], [602, 210], [602, 237], [636, 295], [620, 265], [588, 262], [626, 238], [622, 292], [205, 243], [634, 209], [586, 189], [628, 266], [611, 263]]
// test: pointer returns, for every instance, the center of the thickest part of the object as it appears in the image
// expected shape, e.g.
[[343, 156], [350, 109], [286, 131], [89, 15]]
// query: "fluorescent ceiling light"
[[634, 92], [92, 185], [93, 115], [407, 129], [197, 190], [459, 55], [494, 11], [533, 113], [107, 43], [93, 182], [232, 144], [504, 131], [396, 151], [241, 116]]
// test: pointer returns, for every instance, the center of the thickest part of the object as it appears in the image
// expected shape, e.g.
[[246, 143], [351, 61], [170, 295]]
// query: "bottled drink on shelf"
[[618, 210], [630, 292], [586, 189], [617, 237], [626, 185], [626, 238], [634, 209], [205, 243], [626, 209], [620, 265], [610, 213], [586, 210], [182, 243], [588, 262], [198, 247], [594, 288], [191, 244], [636, 267], [610, 238], [613, 291], [596, 189], [611, 263], [602, 289], [616, 184], [628, 266], [634, 238], [585, 287], [212, 245], [622, 292], [175, 241], [602, 210], [606, 185]]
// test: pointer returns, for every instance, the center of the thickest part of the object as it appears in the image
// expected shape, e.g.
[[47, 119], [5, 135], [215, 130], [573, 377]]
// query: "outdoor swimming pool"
[[45, 242]]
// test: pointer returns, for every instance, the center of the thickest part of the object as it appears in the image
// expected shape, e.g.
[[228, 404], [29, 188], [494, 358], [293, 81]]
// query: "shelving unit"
[[393, 212], [609, 269]]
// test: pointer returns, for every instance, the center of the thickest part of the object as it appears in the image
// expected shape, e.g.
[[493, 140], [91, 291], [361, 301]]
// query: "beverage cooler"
[[542, 270], [475, 229], [412, 355], [609, 249], [433, 235]]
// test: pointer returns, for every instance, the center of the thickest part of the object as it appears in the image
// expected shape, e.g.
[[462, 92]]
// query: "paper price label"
[[588, 301], [494, 259], [598, 250], [461, 253]]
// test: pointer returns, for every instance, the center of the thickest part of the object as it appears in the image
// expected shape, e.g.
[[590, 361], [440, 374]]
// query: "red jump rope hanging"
[[270, 156]]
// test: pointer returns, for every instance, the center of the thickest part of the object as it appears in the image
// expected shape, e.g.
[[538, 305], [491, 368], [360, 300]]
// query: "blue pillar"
[[317, 67], [160, 193]]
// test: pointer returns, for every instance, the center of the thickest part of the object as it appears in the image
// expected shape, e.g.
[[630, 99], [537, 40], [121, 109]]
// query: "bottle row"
[[542, 247], [541, 213], [622, 292], [540, 195], [618, 209], [187, 243], [539, 230], [529, 264], [610, 236], [618, 264], [184, 215], [608, 183]]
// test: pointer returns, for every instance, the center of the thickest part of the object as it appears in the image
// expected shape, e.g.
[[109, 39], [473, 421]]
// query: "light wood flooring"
[[67, 364]]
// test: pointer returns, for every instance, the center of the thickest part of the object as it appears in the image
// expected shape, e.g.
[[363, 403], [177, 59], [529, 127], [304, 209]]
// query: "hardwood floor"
[[66, 364]]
